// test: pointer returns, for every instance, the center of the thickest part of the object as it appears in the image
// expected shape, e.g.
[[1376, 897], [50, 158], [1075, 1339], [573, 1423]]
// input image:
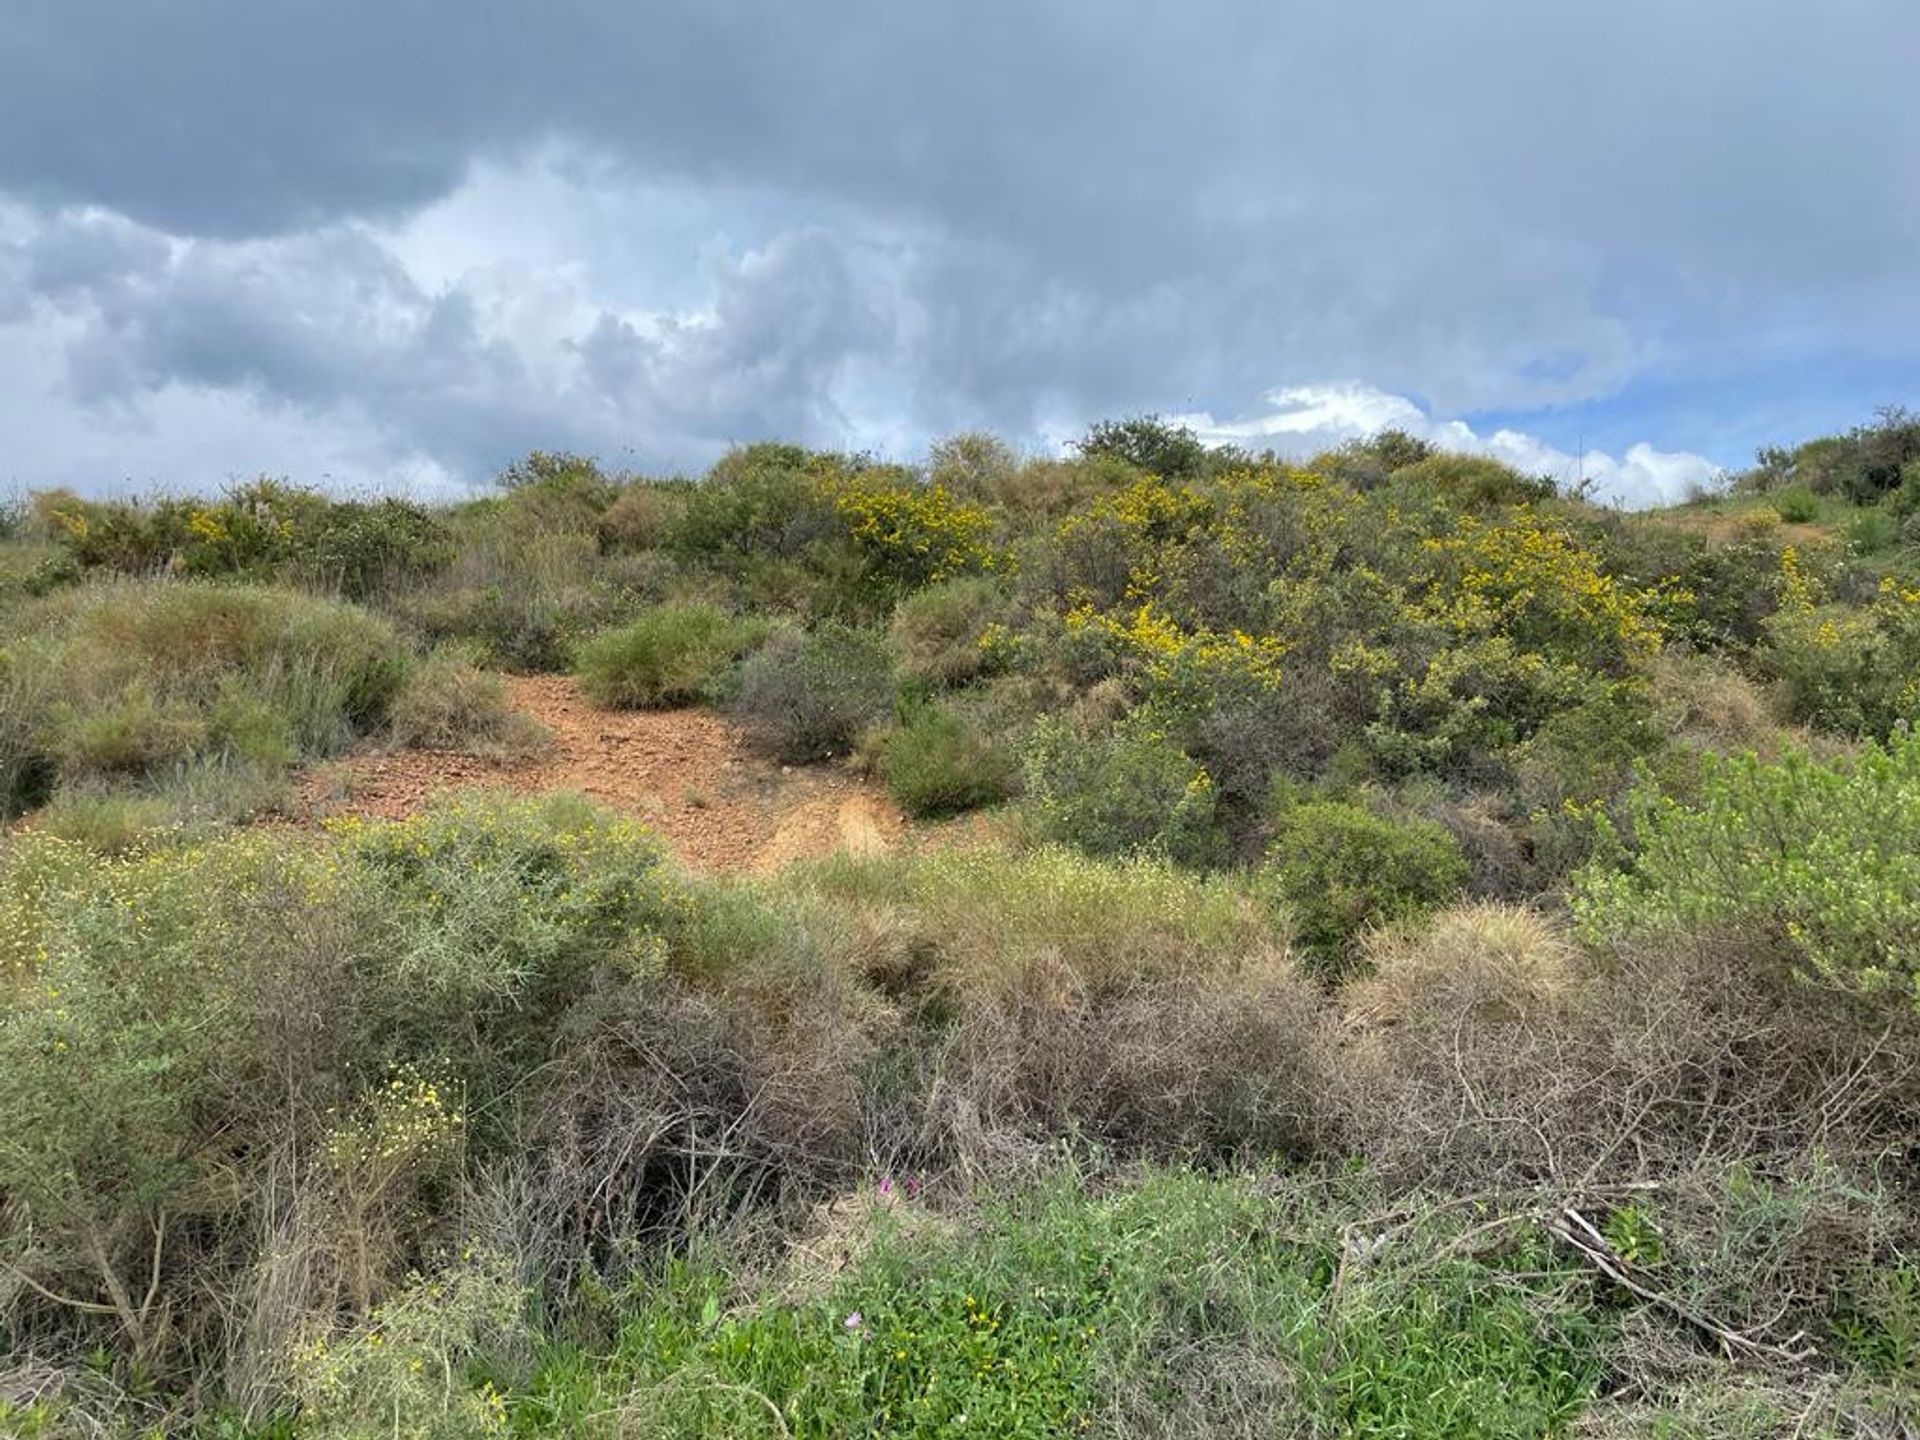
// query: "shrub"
[[1796, 504], [1873, 531], [1150, 444], [1340, 868], [640, 518], [941, 630], [134, 678], [1851, 669], [1821, 857], [402, 1371], [808, 696], [1471, 480], [1124, 791], [670, 655], [938, 763], [449, 703]]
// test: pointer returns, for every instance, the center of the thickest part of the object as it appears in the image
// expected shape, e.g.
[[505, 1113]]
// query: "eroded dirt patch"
[[688, 773]]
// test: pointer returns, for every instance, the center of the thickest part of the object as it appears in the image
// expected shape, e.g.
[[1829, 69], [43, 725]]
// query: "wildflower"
[[854, 1320]]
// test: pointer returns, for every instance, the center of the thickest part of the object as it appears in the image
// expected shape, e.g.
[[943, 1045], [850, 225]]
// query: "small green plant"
[[1797, 505], [936, 762], [1126, 791], [1341, 868], [669, 655]]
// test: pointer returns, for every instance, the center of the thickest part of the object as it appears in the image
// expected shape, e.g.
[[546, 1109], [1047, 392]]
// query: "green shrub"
[[449, 703], [1821, 857], [1150, 444], [1125, 791], [403, 1370], [670, 655], [938, 763], [809, 696], [1797, 505], [1846, 668], [1474, 480], [1341, 868], [134, 678], [1873, 531]]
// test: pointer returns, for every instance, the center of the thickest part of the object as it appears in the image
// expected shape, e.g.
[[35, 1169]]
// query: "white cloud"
[[1301, 420]]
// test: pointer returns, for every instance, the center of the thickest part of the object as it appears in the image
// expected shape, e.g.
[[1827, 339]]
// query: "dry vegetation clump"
[[450, 703]]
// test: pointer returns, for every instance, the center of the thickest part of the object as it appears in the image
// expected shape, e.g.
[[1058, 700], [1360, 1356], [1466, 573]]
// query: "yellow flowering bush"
[[910, 534], [1527, 578]]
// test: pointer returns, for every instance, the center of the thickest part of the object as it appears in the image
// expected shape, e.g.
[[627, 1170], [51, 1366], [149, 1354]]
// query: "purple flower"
[[853, 1321]]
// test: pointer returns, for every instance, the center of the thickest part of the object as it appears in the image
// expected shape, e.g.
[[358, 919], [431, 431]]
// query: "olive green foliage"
[[1864, 465], [1150, 444], [829, 534], [265, 530], [1796, 504], [1821, 857], [1341, 868], [809, 696], [671, 655], [942, 632], [938, 762], [135, 680], [182, 1014], [1125, 791]]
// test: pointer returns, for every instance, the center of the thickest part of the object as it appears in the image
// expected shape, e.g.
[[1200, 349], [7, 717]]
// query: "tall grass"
[[141, 680]]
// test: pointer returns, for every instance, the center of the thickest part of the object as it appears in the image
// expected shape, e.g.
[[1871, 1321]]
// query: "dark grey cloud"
[[942, 214]]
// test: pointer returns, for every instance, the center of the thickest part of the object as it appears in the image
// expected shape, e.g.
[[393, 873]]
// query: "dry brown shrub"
[[1713, 706], [451, 704], [1658, 1058], [638, 519], [1490, 961], [1200, 1065], [669, 1109]]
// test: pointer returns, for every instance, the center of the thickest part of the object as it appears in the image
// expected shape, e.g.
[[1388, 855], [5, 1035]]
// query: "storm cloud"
[[400, 242]]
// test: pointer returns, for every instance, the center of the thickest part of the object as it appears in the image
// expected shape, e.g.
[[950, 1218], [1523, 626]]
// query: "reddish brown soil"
[[688, 773]]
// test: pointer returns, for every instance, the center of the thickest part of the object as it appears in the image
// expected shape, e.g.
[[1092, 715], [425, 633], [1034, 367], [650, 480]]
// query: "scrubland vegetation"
[[1447, 963]]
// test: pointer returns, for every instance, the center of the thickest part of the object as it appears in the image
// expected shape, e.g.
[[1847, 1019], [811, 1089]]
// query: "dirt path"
[[688, 773]]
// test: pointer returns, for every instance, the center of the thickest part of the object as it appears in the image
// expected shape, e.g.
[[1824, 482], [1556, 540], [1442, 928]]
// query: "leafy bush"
[[1150, 444], [1125, 791], [1822, 857], [938, 763], [1340, 868], [670, 655], [1796, 504], [329, 1014], [449, 703], [1472, 480], [808, 696]]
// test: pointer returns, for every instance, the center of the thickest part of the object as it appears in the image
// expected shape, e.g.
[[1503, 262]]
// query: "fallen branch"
[[1573, 1229]]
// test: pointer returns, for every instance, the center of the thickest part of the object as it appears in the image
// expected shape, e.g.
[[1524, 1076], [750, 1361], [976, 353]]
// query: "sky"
[[394, 244]]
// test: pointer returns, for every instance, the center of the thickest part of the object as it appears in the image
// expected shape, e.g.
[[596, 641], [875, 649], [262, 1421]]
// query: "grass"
[[1173, 1298], [151, 682]]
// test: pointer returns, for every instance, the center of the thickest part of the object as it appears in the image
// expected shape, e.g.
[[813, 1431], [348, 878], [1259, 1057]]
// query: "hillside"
[[1158, 941]]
